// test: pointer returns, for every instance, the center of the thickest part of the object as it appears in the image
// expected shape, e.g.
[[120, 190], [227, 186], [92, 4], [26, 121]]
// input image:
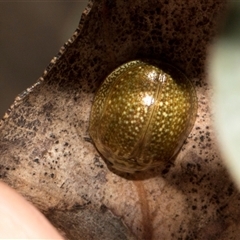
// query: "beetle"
[[141, 115]]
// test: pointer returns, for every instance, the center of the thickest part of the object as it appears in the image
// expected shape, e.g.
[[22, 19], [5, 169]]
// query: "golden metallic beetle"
[[141, 115]]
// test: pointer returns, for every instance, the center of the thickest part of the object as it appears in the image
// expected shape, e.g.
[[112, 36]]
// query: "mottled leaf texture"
[[47, 155]]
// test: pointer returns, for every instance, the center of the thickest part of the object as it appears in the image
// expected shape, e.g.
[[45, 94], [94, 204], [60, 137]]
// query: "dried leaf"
[[45, 147]]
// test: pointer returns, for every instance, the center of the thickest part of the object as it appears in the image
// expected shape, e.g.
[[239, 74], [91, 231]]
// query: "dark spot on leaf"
[[36, 160], [103, 208]]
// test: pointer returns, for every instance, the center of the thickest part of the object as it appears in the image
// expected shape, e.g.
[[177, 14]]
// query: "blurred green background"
[[32, 33]]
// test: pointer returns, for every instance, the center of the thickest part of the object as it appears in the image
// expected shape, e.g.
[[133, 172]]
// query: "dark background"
[[31, 34]]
